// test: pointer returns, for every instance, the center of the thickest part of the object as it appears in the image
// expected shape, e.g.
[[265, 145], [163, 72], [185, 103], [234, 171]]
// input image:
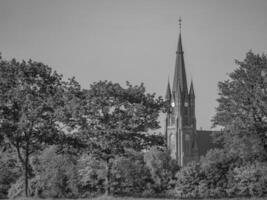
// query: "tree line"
[[61, 140], [39, 109]]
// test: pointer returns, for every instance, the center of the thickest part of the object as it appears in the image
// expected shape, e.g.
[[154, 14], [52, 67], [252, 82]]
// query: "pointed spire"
[[180, 46], [191, 91], [168, 91], [179, 79]]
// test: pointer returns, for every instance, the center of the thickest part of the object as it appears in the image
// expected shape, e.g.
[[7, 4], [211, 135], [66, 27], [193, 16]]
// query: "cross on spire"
[[180, 24]]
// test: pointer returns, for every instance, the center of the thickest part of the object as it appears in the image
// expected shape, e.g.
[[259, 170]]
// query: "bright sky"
[[136, 40]]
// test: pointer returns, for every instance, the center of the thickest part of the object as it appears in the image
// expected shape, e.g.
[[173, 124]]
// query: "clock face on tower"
[[172, 104]]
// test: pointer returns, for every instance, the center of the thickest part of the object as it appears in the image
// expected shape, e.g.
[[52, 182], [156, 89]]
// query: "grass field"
[[132, 198]]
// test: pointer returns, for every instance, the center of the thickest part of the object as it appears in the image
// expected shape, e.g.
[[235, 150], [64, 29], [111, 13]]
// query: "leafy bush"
[[210, 178], [134, 174], [130, 176], [188, 180], [251, 179], [9, 172], [162, 168], [55, 174], [91, 174], [17, 189], [220, 174], [217, 167]]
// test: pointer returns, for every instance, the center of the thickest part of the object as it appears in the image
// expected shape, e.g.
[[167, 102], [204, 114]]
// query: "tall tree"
[[32, 108], [242, 110], [118, 118]]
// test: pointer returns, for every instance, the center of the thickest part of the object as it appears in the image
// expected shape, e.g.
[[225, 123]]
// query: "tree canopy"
[[242, 110], [38, 108], [32, 108], [118, 118]]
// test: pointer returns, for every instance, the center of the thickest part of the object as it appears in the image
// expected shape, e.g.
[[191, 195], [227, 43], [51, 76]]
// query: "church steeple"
[[180, 126], [179, 79]]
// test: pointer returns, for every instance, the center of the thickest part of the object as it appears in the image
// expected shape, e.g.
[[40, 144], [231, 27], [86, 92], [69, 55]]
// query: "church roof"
[[205, 141]]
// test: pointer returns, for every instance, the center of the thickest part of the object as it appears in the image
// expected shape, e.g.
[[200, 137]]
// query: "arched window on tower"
[[172, 144]]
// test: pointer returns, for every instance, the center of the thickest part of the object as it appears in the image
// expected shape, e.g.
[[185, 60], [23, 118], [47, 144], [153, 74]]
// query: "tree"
[[130, 175], [162, 168], [250, 179], [91, 173], [242, 110], [118, 118], [32, 108], [9, 172], [56, 174]]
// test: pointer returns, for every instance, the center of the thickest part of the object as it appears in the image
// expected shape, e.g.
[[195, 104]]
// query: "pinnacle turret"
[[191, 91], [168, 95]]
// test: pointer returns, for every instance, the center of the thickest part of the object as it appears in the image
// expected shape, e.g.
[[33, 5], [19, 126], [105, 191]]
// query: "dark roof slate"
[[205, 141]]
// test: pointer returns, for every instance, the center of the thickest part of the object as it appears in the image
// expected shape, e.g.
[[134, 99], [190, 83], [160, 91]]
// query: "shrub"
[[251, 179], [220, 174], [162, 168], [17, 189], [9, 172], [212, 177], [55, 174], [216, 168], [130, 176], [134, 174], [188, 180], [91, 174]]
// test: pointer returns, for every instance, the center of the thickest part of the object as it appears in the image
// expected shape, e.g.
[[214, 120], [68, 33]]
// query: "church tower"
[[180, 126]]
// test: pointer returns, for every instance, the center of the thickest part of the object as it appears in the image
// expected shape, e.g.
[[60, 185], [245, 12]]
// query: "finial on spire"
[[180, 24]]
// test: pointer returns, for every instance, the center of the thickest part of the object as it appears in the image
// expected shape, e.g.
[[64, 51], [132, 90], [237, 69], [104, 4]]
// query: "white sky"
[[136, 40]]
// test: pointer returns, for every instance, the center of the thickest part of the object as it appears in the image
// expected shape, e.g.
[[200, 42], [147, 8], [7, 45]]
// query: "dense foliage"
[[55, 174], [116, 119], [162, 168], [132, 174], [240, 168], [9, 171], [91, 172], [32, 109], [39, 109], [242, 108], [221, 175], [61, 141]]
